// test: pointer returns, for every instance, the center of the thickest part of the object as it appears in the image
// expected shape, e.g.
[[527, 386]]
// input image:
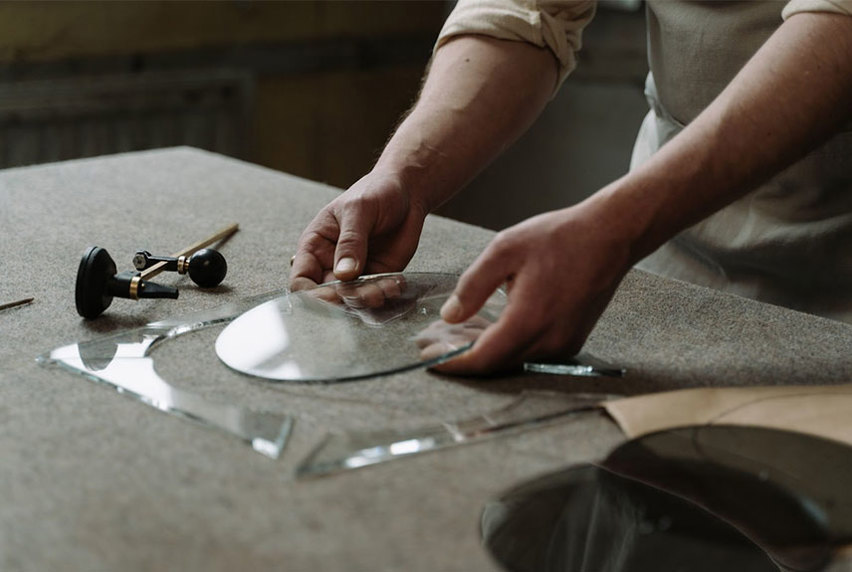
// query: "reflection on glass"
[[531, 409], [343, 331], [122, 361], [581, 365], [701, 498]]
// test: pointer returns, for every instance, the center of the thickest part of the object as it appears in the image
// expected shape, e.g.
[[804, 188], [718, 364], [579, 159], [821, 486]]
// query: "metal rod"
[[222, 234]]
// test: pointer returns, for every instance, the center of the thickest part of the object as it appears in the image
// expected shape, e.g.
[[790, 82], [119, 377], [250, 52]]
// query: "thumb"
[[350, 253]]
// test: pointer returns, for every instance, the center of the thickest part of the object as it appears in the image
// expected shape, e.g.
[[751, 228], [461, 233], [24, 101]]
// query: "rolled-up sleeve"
[[835, 6], [557, 26]]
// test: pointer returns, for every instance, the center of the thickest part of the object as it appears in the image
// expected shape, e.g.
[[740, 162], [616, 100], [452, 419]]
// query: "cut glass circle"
[[340, 331]]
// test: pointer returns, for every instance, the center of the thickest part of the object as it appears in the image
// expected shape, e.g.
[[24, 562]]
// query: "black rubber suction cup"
[[97, 284], [91, 295]]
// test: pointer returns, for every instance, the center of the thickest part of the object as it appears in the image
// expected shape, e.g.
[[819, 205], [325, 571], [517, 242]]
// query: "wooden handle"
[[17, 303]]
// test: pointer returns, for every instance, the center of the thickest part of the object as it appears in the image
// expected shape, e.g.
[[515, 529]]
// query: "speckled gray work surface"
[[93, 480]]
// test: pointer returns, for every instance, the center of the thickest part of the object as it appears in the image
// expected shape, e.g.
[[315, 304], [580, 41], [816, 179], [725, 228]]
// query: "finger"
[[476, 285], [440, 331], [522, 325], [325, 294], [314, 254], [441, 348], [501, 346], [362, 296], [304, 280], [476, 361], [301, 283], [524, 332], [392, 286], [306, 272], [351, 250]]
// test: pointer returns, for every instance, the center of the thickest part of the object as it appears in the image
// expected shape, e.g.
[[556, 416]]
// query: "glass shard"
[[581, 365], [123, 362], [340, 452]]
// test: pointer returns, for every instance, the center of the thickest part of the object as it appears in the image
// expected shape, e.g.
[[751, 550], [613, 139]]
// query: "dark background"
[[310, 88]]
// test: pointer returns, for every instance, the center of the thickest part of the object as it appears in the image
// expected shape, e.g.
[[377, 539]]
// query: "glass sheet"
[[340, 452], [343, 331], [382, 316], [122, 361], [699, 499]]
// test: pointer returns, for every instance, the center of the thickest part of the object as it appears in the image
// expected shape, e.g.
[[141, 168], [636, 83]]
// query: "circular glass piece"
[[340, 331], [695, 498]]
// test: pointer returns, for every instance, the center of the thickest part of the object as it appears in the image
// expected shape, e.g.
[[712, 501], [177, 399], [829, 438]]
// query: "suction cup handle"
[[130, 285], [97, 284]]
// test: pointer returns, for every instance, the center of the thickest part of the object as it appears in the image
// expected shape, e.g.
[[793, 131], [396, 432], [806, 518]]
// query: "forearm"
[[564, 266], [793, 94], [479, 96]]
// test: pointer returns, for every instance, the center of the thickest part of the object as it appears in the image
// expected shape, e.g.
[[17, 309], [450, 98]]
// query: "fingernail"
[[452, 309], [345, 265]]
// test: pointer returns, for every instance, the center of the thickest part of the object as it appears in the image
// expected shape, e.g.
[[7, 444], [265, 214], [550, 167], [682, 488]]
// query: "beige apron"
[[788, 242]]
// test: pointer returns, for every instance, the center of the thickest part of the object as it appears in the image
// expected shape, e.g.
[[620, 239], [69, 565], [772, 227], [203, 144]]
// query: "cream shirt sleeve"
[[552, 24], [836, 6]]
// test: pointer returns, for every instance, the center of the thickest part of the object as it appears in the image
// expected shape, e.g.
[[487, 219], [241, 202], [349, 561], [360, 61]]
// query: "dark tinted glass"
[[696, 499]]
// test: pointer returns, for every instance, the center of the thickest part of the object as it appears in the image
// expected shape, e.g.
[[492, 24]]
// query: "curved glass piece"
[[340, 331], [122, 361], [531, 409], [697, 498]]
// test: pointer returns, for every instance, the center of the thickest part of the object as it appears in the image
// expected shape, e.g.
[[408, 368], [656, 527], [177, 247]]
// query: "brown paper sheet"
[[821, 410]]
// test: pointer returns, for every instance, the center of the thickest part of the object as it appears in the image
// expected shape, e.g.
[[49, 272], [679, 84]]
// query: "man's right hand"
[[373, 227], [480, 95]]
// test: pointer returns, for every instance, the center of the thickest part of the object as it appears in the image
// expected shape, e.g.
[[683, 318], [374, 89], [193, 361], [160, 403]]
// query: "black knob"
[[207, 267]]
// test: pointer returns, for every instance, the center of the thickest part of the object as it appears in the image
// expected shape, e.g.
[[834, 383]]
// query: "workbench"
[[93, 480]]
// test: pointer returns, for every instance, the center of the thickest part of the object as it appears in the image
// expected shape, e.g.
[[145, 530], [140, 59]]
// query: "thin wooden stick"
[[17, 303], [221, 235]]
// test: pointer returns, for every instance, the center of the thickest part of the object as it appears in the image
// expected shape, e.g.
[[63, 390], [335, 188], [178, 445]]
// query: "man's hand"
[[371, 228], [479, 96], [561, 269]]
